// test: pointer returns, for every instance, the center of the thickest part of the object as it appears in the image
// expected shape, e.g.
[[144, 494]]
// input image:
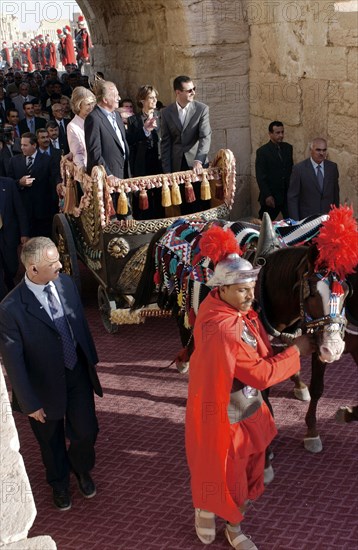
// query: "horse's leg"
[[186, 337], [312, 440], [346, 414], [300, 389]]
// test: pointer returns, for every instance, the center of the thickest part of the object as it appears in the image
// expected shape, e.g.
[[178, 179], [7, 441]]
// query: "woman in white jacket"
[[82, 103]]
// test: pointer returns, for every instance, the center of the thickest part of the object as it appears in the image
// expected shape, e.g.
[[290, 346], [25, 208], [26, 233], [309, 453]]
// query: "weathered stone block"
[[324, 63], [343, 98], [343, 132]]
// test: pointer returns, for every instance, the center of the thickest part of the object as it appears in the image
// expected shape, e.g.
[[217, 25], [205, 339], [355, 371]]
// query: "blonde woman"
[[82, 104]]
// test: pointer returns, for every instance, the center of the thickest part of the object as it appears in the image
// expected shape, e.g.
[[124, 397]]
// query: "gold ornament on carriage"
[[118, 247]]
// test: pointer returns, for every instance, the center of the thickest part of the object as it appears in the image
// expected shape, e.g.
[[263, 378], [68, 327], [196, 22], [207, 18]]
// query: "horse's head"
[[322, 297]]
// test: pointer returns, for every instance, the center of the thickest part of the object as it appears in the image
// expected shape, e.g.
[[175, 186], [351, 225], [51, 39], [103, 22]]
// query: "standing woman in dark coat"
[[144, 153]]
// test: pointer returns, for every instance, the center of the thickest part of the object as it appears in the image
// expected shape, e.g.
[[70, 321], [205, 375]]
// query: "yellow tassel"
[[176, 196], [122, 205], [205, 194], [166, 200]]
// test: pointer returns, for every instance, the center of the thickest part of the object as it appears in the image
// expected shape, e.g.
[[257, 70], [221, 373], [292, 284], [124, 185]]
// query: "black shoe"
[[62, 499], [86, 485]]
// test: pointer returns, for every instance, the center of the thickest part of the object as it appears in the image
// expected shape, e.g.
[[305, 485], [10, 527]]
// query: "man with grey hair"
[[314, 184], [50, 357], [105, 135]]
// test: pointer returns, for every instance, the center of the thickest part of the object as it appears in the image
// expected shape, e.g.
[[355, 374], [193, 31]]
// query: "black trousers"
[[80, 426]]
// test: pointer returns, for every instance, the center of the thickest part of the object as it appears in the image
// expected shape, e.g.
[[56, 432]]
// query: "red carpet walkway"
[[143, 499]]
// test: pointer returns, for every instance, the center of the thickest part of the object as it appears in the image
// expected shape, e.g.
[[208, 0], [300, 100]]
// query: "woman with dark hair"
[[144, 153]]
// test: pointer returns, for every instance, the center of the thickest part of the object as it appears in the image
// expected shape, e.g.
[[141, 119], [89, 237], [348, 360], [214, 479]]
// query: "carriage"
[[115, 250]]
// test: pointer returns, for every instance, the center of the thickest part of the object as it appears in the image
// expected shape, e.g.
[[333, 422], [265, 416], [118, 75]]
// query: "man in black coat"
[[37, 180], [13, 230], [274, 162], [10, 146], [50, 357]]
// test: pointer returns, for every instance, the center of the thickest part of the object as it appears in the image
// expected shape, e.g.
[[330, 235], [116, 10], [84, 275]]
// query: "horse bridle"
[[333, 321]]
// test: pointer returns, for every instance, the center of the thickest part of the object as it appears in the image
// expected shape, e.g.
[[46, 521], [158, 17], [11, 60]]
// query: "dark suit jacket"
[[14, 222], [40, 200], [304, 197], [8, 104], [63, 138], [144, 152], [272, 174], [39, 123], [6, 155], [103, 146], [31, 347], [191, 140]]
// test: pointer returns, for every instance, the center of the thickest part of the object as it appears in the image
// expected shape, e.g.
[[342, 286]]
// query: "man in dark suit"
[[13, 230], [105, 136], [274, 163], [5, 104], [314, 184], [185, 138], [58, 116], [55, 381], [30, 123], [37, 178], [10, 146]]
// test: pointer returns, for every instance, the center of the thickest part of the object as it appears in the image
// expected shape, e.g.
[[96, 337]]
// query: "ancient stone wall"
[[303, 71], [253, 61]]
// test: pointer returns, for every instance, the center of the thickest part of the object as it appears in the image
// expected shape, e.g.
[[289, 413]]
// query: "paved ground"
[[143, 499]]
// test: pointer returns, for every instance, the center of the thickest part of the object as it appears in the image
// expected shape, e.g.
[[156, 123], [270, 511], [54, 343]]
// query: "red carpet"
[[143, 499]]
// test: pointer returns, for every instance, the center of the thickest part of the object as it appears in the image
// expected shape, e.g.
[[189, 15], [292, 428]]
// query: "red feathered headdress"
[[217, 244], [337, 242]]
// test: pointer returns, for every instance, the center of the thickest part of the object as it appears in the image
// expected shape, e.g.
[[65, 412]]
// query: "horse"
[[313, 441], [290, 286]]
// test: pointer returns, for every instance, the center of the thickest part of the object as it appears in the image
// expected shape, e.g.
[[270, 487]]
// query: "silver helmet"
[[233, 270]]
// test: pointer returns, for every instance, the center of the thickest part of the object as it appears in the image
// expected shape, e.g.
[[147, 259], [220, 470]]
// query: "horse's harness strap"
[[333, 322]]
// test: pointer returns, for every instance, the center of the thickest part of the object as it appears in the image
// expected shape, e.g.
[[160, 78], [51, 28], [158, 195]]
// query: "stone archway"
[[252, 62], [141, 41]]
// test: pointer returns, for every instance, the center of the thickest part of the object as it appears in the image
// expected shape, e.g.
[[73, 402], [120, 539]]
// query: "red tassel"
[[219, 191], [189, 192], [337, 288], [143, 200], [156, 278]]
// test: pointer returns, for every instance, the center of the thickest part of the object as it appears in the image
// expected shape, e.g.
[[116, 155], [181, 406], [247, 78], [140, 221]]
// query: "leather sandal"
[[205, 526], [237, 539]]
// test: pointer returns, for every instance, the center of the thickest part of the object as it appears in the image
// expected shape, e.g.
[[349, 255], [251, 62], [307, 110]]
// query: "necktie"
[[16, 133], [118, 132], [279, 153], [31, 125], [29, 163], [61, 324], [62, 131], [320, 176]]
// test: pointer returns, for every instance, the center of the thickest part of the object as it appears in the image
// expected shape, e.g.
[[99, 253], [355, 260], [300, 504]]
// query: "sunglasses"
[[191, 90]]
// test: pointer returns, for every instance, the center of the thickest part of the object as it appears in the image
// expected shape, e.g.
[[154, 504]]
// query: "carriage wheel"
[[105, 306], [63, 238]]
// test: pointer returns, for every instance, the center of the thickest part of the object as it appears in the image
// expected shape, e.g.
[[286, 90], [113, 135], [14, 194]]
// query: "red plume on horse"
[[337, 243]]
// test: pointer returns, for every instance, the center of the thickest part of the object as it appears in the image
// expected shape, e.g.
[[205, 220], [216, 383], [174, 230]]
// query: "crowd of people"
[[41, 53], [45, 117]]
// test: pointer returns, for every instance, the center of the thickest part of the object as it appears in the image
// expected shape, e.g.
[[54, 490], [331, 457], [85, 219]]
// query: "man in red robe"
[[228, 425], [70, 50], [5, 54], [83, 42], [61, 47]]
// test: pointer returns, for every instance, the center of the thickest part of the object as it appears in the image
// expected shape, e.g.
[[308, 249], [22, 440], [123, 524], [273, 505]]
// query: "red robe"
[[53, 60], [30, 66], [70, 51], [221, 355]]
